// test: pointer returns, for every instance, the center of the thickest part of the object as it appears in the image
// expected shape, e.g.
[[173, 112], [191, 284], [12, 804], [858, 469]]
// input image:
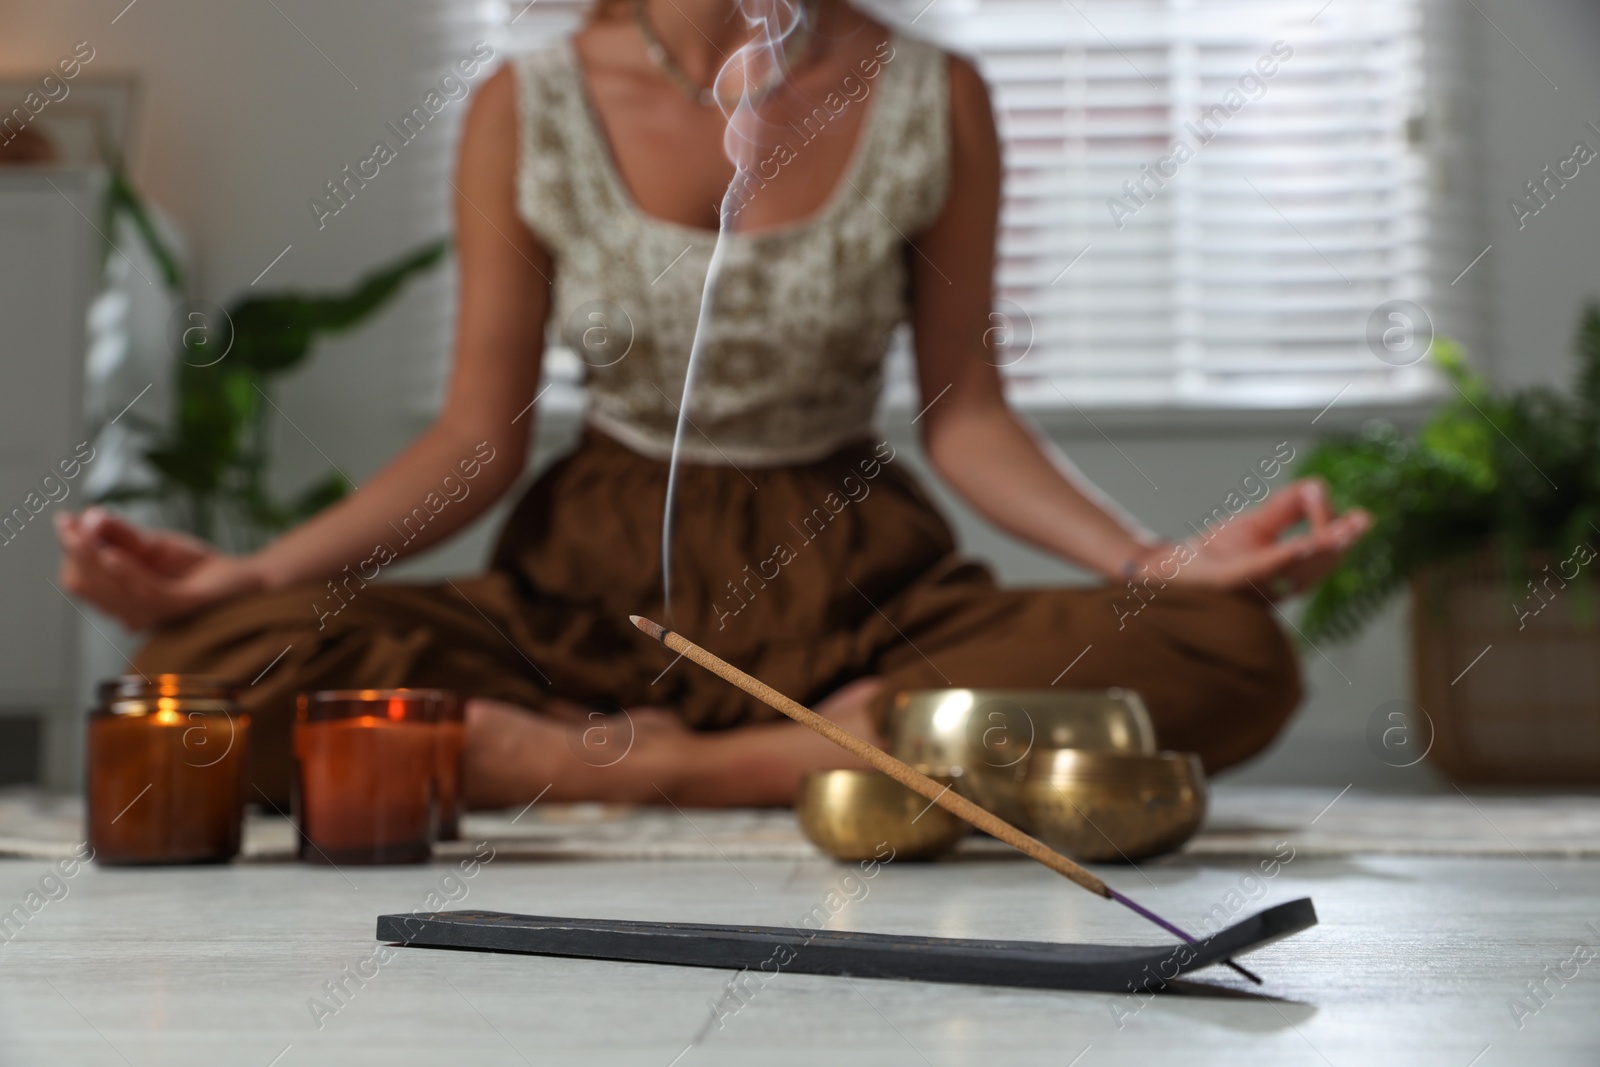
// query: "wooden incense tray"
[[1029, 964]]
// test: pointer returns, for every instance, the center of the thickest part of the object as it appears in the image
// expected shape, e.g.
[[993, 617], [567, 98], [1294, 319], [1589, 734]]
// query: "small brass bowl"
[[989, 733], [861, 815], [1107, 806]]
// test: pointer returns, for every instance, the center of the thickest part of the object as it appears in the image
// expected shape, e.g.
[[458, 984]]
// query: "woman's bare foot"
[[508, 752], [645, 754], [761, 766], [513, 755], [851, 708], [655, 721]]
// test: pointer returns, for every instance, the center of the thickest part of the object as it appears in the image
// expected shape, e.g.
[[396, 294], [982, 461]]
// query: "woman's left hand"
[[1249, 551]]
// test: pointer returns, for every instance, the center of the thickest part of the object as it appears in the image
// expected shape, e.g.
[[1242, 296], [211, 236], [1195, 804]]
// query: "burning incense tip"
[[654, 629]]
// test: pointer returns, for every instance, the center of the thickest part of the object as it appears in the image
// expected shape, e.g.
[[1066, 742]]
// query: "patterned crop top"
[[792, 363]]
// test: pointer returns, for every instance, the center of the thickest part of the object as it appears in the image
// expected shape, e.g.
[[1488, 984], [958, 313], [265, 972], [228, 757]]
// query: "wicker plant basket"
[[1527, 710]]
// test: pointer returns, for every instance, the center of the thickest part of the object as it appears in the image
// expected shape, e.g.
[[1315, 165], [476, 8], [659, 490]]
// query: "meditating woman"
[[803, 551]]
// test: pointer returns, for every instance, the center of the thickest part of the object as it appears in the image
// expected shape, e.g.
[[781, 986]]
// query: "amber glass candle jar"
[[367, 775], [167, 770]]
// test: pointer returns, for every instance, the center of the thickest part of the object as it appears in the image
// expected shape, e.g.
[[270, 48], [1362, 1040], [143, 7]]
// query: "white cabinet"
[[49, 273]]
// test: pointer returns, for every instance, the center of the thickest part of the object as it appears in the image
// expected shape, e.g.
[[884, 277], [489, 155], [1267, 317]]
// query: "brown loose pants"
[[806, 576]]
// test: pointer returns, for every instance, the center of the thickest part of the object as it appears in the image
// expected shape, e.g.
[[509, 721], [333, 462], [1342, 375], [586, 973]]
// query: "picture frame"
[[97, 111]]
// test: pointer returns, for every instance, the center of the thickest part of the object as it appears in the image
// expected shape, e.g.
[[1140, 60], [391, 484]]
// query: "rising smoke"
[[748, 78]]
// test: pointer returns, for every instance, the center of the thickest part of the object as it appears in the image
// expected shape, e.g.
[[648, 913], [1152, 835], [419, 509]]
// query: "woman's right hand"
[[145, 577]]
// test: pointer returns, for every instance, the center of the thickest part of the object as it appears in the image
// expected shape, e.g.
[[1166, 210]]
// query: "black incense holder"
[[771, 949]]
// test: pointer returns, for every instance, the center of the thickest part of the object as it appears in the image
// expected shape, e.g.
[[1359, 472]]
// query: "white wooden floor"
[[1416, 961]]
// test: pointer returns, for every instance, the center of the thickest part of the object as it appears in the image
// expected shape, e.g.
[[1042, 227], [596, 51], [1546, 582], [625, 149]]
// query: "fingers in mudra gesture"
[[143, 577], [1259, 548]]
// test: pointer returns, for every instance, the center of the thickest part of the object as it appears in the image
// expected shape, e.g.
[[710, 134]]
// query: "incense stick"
[[908, 776]]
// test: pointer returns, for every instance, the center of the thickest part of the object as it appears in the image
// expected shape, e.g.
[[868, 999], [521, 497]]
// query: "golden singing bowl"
[[862, 815], [989, 733], [1107, 806]]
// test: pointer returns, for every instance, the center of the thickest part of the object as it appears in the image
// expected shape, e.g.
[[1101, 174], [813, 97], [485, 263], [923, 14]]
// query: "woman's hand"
[[145, 577], [1249, 551]]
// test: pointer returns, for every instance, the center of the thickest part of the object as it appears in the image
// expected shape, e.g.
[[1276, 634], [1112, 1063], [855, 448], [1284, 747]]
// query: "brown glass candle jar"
[[167, 770], [367, 765]]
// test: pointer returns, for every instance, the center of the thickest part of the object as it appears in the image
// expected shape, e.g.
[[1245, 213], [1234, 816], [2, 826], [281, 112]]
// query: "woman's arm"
[[997, 463], [499, 343], [145, 577]]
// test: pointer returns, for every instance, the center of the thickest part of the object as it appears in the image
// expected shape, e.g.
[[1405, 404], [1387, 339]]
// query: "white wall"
[[244, 120], [1540, 274]]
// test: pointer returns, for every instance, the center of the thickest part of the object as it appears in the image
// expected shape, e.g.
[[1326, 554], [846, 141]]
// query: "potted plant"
[[1491, 514], [210, 463]]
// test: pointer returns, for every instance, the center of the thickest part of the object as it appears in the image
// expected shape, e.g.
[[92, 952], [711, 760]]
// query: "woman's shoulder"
[[930, 94], [545, 90], [549, 55], [541, 102], [917, 75], [923, 81], [952, 74], [544, 70], [945, 86], [906, 45], [523, 93]]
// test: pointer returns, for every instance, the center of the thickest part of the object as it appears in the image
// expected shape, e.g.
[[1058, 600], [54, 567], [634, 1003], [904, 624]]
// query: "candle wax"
[[166, 787], [366, 789]]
